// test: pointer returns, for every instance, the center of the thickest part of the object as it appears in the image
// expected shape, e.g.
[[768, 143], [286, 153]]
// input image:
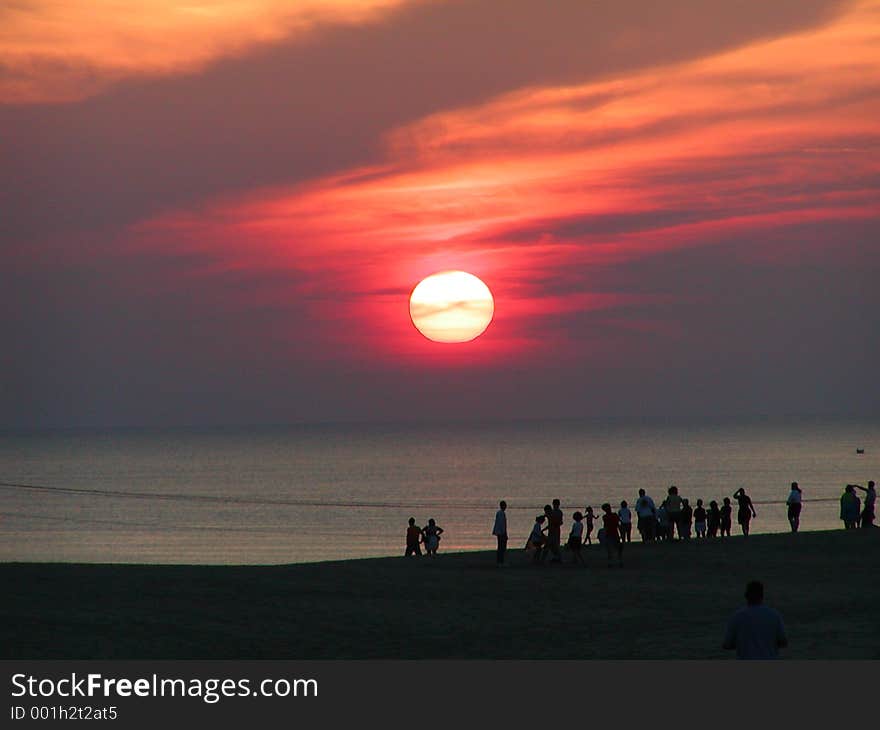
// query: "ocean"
[[292, 494]]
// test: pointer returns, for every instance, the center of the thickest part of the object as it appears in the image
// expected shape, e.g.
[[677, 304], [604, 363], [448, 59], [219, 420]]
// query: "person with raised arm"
[[867, 516]]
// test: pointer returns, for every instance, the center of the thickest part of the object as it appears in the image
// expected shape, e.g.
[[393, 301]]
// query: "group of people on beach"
[[675, 518]]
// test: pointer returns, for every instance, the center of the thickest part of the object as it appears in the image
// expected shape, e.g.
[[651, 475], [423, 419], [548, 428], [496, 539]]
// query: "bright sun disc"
[[451, 306]]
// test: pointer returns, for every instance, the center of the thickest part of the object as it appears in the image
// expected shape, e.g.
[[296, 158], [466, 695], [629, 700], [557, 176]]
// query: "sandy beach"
[[669, 601]]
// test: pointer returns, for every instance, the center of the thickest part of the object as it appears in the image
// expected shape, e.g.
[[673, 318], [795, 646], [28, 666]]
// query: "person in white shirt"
[[794, 507], [647, 514], [500, 532]]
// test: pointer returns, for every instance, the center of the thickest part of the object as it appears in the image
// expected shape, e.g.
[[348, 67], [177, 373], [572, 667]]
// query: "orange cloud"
[[531, 190], [52, 50]]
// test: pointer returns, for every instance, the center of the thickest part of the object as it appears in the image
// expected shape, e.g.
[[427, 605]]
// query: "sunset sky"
[[214, 213]]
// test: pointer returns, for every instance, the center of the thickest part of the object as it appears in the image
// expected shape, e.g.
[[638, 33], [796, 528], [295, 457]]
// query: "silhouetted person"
[[537, 539], [726, 517], [870, 499], [431, 537], [647, 516], [500, 531], [746, 510], [625, 517], [713, 519], [687, 519], [850, 506], [576, 538], [673, 510], [589, 518], [611, 525], [554, 533], [413, 538], [663, 523], [700, 519], [755, 631], [794, 506]]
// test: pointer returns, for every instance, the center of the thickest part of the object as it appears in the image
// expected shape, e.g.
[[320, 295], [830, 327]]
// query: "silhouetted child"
[[589, 518], [625, 517], [687, 520], [713, 521], [700, 519], [431, 537], [576, 538], [537, 539], [413, 538], [611, 524], [662, 523], [726, 517]]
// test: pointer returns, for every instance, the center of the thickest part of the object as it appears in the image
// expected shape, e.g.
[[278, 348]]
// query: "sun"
[[451, 306]]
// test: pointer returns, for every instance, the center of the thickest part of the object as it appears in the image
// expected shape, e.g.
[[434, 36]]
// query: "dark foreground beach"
[[669, 601]]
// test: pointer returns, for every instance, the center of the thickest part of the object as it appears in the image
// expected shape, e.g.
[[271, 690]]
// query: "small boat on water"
[[860, 451]]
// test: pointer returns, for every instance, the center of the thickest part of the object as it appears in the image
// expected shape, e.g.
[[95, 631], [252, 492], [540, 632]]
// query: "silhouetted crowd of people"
[[674, 519]]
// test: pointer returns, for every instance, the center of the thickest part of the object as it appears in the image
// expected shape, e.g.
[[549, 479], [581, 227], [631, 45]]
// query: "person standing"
[[500, 531], [870, 499], [756, 631], [673, 511], [746, 510], [576, 538], [687, 520], [850, 506], [611, 525], [647, 516], [554, 533], [726, 512], [431, 536], [413, 538], [625, 517], [589, 518], [713, 519], [794, 506], [700, 519], [663, 523]]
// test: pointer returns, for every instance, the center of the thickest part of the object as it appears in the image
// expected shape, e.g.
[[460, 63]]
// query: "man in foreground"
[[755, 631]]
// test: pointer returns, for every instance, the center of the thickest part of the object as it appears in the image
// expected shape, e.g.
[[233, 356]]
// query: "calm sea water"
[[295, 494]]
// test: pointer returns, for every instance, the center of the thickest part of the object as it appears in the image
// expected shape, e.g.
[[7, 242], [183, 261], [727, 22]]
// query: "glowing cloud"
[[63, 51]]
